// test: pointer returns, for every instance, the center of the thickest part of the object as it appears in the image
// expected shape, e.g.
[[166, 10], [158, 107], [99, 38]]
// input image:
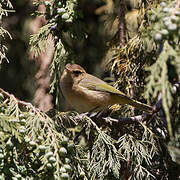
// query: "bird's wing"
[[97, 84]]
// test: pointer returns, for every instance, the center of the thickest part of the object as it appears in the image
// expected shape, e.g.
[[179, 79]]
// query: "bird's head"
[[73, 72]]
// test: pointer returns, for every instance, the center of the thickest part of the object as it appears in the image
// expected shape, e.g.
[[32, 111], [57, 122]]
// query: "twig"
[[122, 22], [129, 120], [132, 82]]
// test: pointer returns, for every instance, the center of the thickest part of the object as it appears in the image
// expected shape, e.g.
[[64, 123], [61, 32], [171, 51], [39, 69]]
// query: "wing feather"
[[96, 84]]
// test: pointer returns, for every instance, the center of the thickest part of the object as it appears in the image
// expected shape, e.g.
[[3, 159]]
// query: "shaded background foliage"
[[18, 75]]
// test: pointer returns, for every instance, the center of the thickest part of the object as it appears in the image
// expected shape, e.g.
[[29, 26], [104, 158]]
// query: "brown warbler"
[[85, 92]]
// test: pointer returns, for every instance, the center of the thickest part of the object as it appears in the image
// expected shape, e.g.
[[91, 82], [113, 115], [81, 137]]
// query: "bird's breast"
[[84, 100]]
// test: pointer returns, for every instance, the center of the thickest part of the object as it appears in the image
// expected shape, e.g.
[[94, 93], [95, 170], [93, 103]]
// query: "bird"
[[87, 93]]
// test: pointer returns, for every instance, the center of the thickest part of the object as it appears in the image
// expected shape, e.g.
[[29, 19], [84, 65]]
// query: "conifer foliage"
[[68, 145]]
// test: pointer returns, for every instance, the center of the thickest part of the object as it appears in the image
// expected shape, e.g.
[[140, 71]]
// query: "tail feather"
[[140, 106]]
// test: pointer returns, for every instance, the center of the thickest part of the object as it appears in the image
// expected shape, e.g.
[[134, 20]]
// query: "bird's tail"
[[140, 106], [123, 99]]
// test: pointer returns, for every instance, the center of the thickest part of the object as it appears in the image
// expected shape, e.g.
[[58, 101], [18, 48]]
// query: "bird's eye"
[[76, 73]]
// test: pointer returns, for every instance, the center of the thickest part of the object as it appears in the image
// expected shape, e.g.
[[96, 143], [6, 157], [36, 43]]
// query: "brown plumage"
[[85, 92]]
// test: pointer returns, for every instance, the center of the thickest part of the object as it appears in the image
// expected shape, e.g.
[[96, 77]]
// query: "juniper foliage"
[[5, 8]]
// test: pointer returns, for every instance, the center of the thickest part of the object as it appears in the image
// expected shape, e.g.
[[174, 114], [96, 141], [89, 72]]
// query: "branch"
[[19, 102], [122, 22], [129, 120]]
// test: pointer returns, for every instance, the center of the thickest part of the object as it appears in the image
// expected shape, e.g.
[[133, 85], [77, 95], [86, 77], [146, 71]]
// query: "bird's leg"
[[100, 113], [83, 114], [91, 113], [94, 113]]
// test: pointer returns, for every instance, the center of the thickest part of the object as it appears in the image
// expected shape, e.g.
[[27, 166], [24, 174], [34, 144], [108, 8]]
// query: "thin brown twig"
[[122, 23]]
